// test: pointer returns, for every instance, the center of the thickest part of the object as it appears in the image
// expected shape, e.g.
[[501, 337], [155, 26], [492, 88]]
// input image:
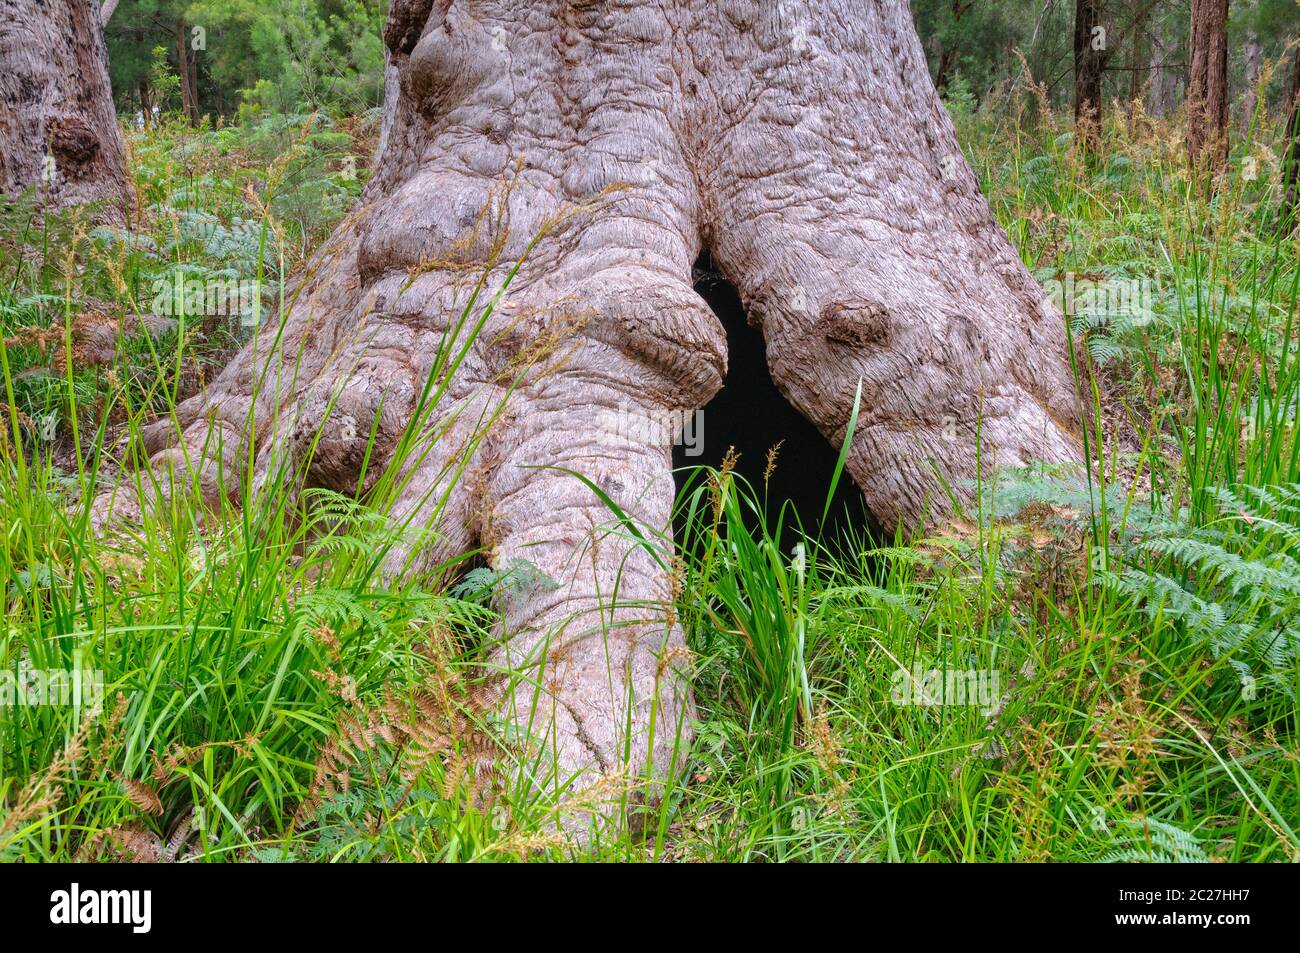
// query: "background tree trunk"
[[1252, 56], [146, 101], [1137, 62], [1291, 157], [948, 56], [1087, 72], [58, 130], [1207, 87], [805, 148], [1164, 80], [185, 67]]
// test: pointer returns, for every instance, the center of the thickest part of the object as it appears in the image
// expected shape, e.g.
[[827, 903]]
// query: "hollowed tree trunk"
[[58, 130], [803, 145]]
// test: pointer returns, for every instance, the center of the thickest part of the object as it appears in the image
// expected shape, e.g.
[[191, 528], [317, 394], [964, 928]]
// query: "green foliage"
[[1154, 842], [254, 60], [985, 44], [1233, 582], [959, 97], [166, 83]]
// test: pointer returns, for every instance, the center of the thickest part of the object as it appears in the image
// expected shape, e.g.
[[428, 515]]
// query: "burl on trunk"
[[803, 145]]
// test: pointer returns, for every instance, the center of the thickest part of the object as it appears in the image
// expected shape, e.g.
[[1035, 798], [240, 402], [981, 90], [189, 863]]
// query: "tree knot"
[[856, 322], [72, 141]]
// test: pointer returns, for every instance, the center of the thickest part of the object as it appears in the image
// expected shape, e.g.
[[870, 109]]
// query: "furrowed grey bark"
[[804, 146], [58, 130]]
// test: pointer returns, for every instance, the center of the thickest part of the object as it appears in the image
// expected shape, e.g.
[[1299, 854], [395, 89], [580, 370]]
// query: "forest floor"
[[1084, 666]]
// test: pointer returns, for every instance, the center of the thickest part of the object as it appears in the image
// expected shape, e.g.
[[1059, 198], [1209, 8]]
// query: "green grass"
[[1126, 634]]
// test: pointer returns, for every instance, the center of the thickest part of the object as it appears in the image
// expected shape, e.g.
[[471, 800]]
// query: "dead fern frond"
[[141, 795], [437, 724], [179, 757], [130, 843]]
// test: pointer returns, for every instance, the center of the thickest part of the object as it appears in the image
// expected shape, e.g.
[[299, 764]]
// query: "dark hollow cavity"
[[750, 414]]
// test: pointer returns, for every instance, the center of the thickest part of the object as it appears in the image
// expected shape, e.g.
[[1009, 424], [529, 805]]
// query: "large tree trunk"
[[392, 89], [1207, 87], [805, 147], [58, 130]]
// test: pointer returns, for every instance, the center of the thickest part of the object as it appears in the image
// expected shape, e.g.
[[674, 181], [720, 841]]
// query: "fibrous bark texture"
[[1207, 87], [58, 130], [803, 145]]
